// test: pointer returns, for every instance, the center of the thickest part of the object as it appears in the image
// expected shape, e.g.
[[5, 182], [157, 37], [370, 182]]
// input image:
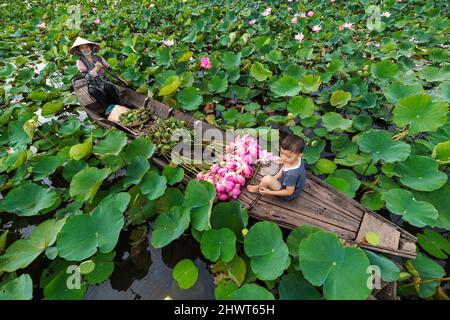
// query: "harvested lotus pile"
[[135, 117], [161, 132]]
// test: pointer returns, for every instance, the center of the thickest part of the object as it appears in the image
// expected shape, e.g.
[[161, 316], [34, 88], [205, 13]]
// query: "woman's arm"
[[88, 75]]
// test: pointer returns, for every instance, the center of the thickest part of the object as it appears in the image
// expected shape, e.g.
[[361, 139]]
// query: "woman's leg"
[[99, 96], [112, 93]]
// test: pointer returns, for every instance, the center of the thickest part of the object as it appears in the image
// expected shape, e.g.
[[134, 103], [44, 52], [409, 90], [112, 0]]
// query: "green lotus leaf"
[[231, 60], [251, 292], [81, 150], [372, 200], [420, 113], [369, 101], [171, 85], [269, 254], [82, 234], [398, 90], [310, 83], [297, 235], [312, 151], [333, 121], [229, 215], [345, 181], [44, 167], [380, 145], [111, 145], [70, 127], [301, 107], [54, 280], [218, 243], [259, 72], [87, 267], [340, 98], [285, 86], [169, 226], [441, 152], [441, 201], [85, 183], [189, 98], [28, 199], [153, 185], [141, 146], [428, 269], [7, 71], [389, 270], [402, 202], [104, 267], [420, 173], [51, 108], [137, 168], [24, 251], [173, 174], [384, 70], [294, 287], [218, 84], [20, 288], [434, 243], [341, 270], [431, 74], [224, 289], [172, 197], [185, 273], [362, 122], [326, 166], [199, 197], [444, 91]]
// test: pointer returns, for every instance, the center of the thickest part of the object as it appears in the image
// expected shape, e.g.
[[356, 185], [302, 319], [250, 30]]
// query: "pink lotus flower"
[[223, 197], [294, 20], [348, 25], [310, 13], [267, 12], [97, 21], [252, 22], [316, 28], [341, 27], [229, 185], [235, 193], [42, 25], [301, 15], [299, 36], [205, 63], [333, 1], [289, 9], [168, 42]]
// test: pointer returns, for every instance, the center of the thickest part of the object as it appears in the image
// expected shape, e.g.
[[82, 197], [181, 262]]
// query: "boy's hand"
[[264, 191]]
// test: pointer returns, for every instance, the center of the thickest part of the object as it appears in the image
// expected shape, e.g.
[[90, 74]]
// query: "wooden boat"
[[318, 205]]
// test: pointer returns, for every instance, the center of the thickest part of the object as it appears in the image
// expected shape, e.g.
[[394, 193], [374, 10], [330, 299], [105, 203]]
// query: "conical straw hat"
[[79, 41]]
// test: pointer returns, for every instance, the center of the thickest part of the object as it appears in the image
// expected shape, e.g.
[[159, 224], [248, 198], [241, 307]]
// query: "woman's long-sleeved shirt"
[[92, 74]]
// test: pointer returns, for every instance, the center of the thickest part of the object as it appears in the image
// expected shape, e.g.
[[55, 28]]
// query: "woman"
[[91, 67]]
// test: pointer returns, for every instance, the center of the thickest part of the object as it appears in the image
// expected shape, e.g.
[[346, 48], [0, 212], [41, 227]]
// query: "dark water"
[[146, 273]]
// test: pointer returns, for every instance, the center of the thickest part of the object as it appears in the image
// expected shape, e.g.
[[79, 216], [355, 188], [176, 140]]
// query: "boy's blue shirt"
[[293, 177]]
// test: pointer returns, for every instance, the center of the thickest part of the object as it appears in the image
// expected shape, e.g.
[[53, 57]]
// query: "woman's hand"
[[98, 65]]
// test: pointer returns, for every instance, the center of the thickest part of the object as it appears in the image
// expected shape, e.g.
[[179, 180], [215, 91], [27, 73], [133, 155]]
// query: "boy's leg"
[[270, 182]]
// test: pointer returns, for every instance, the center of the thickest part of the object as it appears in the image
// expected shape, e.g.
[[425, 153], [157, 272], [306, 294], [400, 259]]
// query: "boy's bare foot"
[[252, 188]]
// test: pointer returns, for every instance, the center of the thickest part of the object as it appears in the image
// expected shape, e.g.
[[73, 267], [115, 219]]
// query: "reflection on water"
[[146, 273]]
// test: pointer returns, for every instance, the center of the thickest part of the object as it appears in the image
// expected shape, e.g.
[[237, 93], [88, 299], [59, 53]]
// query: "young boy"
[[289, 181]]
